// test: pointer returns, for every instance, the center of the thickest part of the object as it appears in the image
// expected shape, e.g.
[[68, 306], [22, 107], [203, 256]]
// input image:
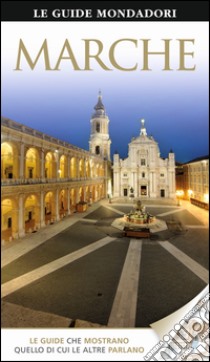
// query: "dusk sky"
[[173, 103]]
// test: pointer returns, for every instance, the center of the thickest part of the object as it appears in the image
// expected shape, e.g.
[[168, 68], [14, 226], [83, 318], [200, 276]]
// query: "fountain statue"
[[139, 215]]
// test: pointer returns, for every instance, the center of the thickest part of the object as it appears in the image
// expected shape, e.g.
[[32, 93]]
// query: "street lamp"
[[206, 198], [190, 193], [179, 195]]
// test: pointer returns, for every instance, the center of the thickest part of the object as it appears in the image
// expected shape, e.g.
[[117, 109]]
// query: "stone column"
[[57, 217], [135, 185], [68, 202], [151, 182], [57, 165], [84, 168], [42, 169], [77, 195], [68, 166], [21, 220], [77, 168], [154, 183], [42, 213], [171, 183], [22, 159], [84, 193], [116, 183]]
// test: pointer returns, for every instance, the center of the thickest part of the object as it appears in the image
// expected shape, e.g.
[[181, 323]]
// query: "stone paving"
[[126, 299]]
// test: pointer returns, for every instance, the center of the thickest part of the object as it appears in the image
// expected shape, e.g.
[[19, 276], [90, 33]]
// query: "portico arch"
[[81, 194], [73, 168], [81, 168], [50, 166], [9, 220], [93, 193], [87, 168], [32, 163], [9, 161], [63, 167], [73, 200], [87, 194], [63, 203], [49, 207], [31, 213]]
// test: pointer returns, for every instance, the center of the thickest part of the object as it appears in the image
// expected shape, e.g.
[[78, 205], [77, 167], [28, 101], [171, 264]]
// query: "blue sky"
[[174, 104]]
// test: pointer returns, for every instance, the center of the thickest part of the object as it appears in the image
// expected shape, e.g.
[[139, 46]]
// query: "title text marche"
[[94, 54]]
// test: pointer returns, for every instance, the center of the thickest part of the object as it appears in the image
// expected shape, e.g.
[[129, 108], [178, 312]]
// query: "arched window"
[[98, 128], [97, 150]]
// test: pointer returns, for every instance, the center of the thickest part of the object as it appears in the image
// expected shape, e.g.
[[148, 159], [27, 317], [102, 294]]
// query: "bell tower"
[[99, 142]]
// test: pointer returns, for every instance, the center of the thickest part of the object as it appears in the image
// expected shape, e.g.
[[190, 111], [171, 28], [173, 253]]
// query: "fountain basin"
[[139, 219], [155, 226]]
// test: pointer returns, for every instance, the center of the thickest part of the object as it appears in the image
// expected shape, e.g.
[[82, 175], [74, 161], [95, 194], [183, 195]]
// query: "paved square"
[[84, 269]]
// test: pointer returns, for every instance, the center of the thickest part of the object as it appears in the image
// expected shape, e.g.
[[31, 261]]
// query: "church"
[[45, 179], [144, 174]]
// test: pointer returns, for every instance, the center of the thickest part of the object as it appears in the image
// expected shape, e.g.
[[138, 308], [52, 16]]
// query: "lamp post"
[[190, 193], [179, 195], [206, 198]]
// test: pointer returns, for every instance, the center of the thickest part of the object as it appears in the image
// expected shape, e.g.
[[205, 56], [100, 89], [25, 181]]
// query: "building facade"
[[144, 174], [44, 178], [196, 179]]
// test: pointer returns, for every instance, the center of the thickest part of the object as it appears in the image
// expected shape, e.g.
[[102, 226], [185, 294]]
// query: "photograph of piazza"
[[93, 239]]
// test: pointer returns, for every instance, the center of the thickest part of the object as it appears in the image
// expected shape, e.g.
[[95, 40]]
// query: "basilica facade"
[[45, 179], [144, 174]]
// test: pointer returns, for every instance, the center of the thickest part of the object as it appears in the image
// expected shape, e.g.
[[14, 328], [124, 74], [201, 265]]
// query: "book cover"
[[104, 180]]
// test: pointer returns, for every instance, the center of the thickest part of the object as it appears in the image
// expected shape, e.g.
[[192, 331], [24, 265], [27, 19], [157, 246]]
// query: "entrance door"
[[9, 222], [143, 190], [125, 192], [30, 172], [162, 193]]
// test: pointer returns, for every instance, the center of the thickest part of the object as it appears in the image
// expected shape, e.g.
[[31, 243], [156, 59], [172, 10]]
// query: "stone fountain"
[[138, 217]]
